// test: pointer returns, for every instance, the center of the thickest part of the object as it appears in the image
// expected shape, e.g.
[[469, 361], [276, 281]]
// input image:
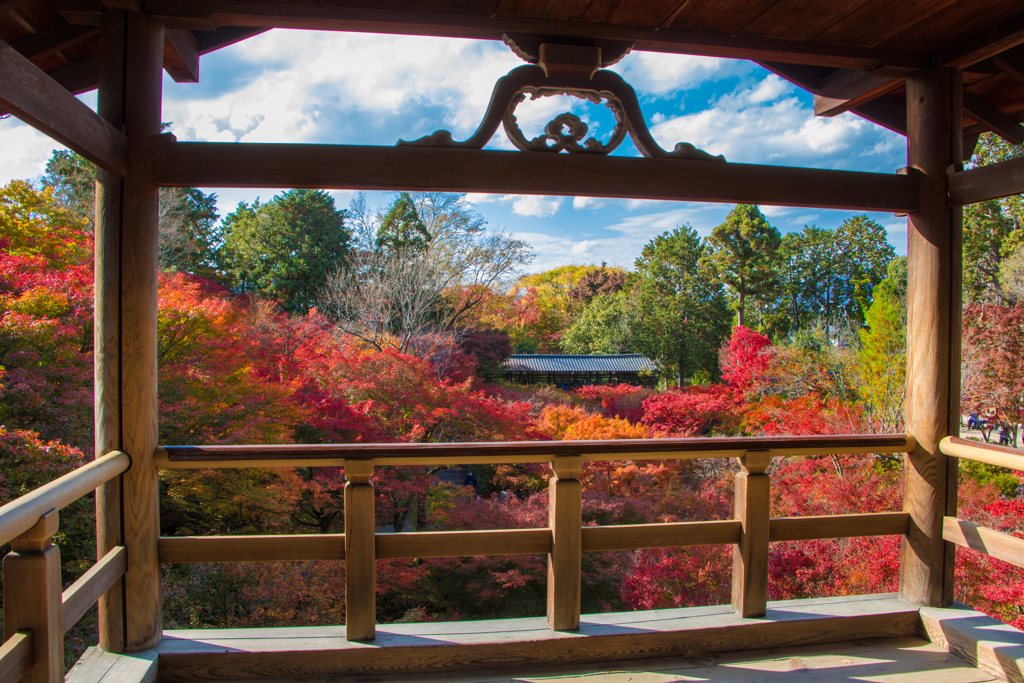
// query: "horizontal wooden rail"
[[837, 526], [990, 454], [16, 657], [91, 586], [385, 454], [355, 167], [667, 535], [988, 541], [189, 549], [489, 543], [21, 514]]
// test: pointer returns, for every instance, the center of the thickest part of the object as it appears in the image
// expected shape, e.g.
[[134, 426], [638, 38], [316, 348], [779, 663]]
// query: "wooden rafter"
[[995, 120], [53, 40], [1011, 62], [988, 43], [457, 170], [846, 89], [181, 55], [41, 102], [210, 14]]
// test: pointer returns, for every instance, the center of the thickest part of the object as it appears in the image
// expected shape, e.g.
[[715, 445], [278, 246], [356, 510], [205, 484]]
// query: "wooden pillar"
[[750, 555], [140, 214], [360, 552], [934, 264], [32, 598], [565, 515], [107, 325]]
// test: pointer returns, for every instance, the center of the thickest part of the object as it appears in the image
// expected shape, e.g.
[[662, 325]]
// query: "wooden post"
[[107, 325], [750, 555], [32, 598], [140, 214], [934, 143], [565, 515], [360, 552]]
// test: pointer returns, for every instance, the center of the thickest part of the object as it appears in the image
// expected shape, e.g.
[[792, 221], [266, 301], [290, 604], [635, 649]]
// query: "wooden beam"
[[53, 40], [980, 184], [181, 56], [39, 101], [206, 15], [455, 170], [998, 122], [846, 89], [838, 526], [988, 43], [8, 5], [882, 110], [487, 543], [933, 310], [16, 657], [987, 541], [1011, 62], [298, 547]]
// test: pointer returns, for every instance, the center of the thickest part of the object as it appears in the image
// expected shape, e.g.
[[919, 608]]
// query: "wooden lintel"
[[41, 102], [191, 164], [1011, 62], [206, 15], [53, 40], [847, 89], [987, 182], [998, 122], [181, 56], [987, 43]]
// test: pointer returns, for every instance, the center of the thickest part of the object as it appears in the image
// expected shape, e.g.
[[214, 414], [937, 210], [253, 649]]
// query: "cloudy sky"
[[347, 88]]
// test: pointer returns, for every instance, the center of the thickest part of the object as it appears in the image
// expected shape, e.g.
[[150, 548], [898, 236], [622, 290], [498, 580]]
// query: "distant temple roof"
[[632, 362]]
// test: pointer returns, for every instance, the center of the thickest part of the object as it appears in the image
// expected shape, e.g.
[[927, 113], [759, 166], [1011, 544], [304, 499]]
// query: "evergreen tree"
[[745, 251], [402, 230], [287, 248]]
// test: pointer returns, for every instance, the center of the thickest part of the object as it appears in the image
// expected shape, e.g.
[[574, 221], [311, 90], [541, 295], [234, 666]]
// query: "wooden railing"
[[967, 534], [36, 613], [563, 540]]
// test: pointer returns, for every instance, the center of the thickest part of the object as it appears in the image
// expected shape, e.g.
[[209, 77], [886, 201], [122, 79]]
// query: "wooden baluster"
[[565, 514], [32, 598], [750, 555], [360, 553]]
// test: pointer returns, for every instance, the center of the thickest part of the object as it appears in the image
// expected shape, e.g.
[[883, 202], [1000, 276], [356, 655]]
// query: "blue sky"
[[348, 88]]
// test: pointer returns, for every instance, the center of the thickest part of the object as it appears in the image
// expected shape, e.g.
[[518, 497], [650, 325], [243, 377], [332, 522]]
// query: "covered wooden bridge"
[[939, 72], [577, 370]]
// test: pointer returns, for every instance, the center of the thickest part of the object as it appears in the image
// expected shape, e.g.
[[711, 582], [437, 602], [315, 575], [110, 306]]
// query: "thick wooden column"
[[934, 144], [140, 215], [750, 555], [32, 598], [107, 325], [360, 553], [565, 515]]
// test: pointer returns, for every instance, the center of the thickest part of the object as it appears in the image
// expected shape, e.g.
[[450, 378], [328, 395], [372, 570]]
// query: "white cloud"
[[652, 73], [771, 88], [534, 205], [591, 203]]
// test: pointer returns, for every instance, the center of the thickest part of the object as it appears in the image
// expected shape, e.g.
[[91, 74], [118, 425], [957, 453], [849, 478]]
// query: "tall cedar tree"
[[287, 248], [402, 229], [745, 249], [682, 314]]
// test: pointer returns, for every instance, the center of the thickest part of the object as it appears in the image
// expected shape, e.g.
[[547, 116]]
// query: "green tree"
[[604, 327], [990, 238], [73, 180], [189, 235], [883, 352], [744, 254], [402, 229], [682, 315], [287, 248]]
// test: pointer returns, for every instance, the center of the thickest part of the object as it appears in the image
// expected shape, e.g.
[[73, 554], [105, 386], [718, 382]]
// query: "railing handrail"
[[990, 454], [490, 452], [21, 514]]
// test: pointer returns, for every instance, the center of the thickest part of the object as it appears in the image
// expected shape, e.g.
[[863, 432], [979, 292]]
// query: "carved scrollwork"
[[566, 132]]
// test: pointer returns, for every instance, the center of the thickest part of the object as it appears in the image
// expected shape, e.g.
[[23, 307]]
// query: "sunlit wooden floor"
[[888, 660]]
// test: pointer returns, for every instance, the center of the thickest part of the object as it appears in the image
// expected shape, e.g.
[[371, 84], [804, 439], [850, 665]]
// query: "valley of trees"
[[294, 321]]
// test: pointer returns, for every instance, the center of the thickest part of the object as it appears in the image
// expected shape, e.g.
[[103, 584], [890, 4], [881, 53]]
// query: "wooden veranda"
[[937, 72]]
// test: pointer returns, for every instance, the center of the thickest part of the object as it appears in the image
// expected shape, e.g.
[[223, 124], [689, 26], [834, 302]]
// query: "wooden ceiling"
[[853, 54]]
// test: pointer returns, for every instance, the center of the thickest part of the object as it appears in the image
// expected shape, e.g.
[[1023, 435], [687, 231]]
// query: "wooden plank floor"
[[884, 660]]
